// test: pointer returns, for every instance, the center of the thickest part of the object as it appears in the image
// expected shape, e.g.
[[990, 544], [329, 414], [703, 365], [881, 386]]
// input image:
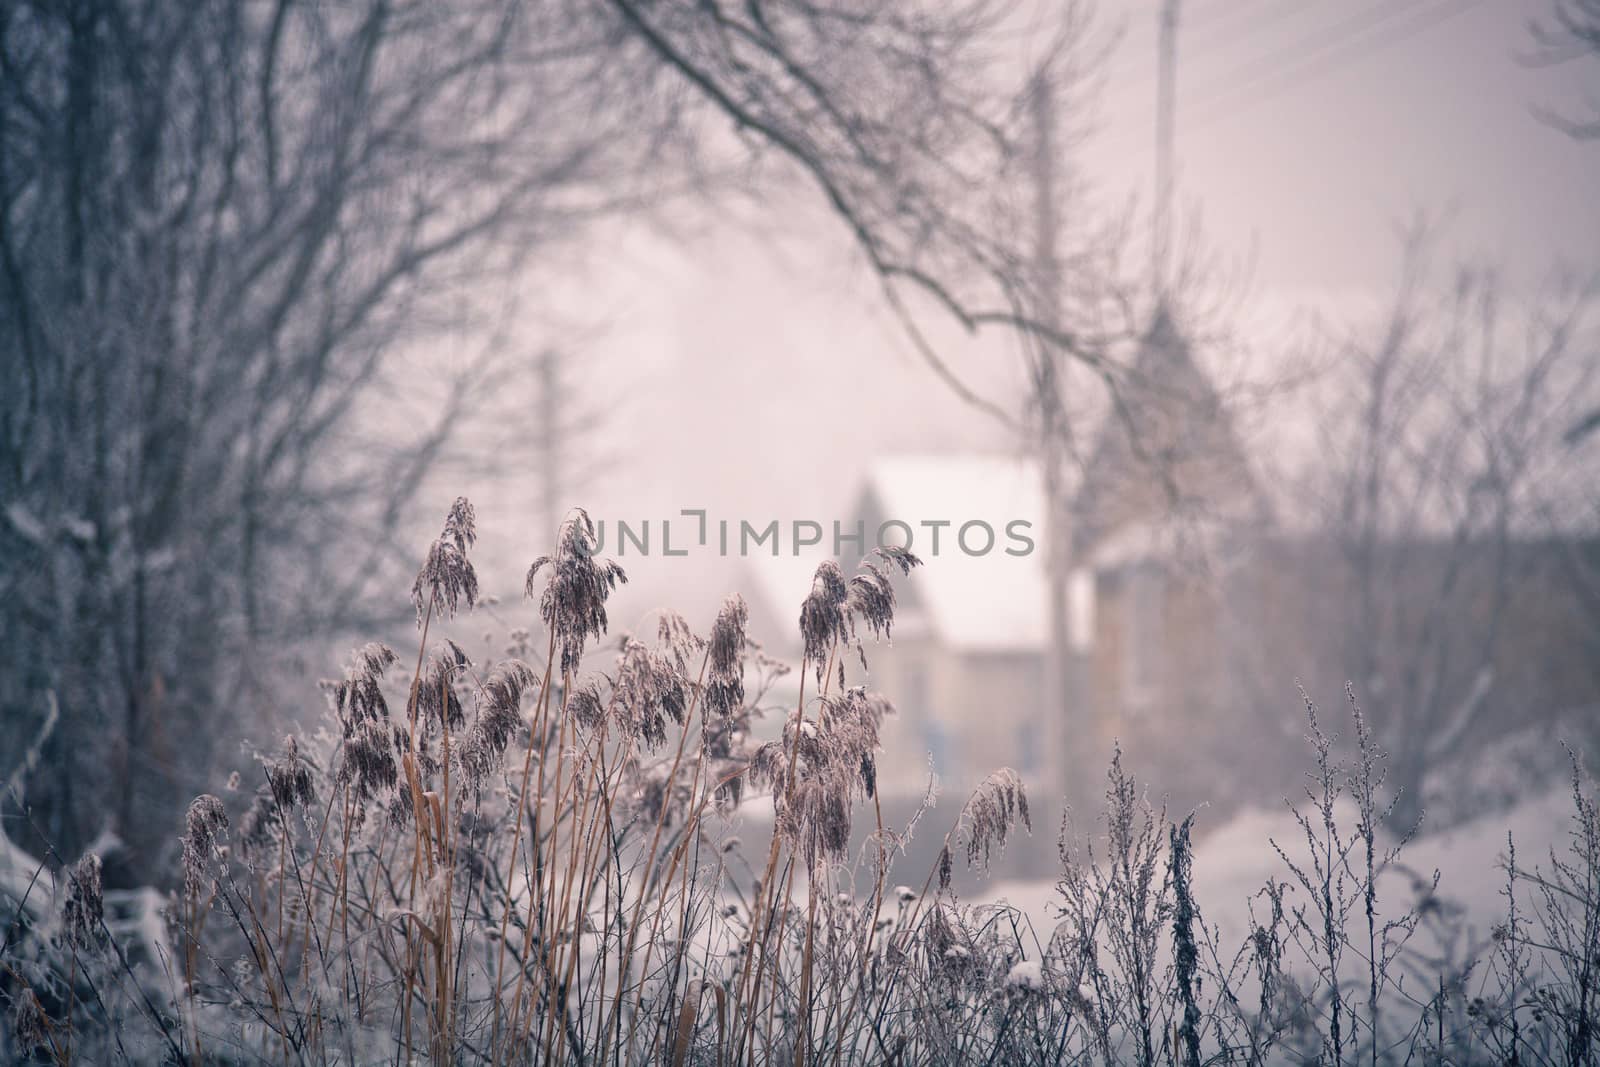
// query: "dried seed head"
[[359, 697], [648, 691], [824, 818], [823, 619], [994, 807], [872, 599], [854, 719], [871, 596], [289, 779], [896, 556], [725, 687], [679, 641], [723, 697], [205, 820], [421, 749], [29, 1024], [499, 717], [84, 908], [436, 692], [947, 944], [727, 637], [586, 705], [371, 659], [399, 810], [460, 525], [573, 601], [369, 759], [1265, 946], [769, 765], [447, 577], [815, 816], [834, 762]]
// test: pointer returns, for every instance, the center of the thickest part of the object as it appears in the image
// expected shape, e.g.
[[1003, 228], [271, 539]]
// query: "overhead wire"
[[1352, 40]]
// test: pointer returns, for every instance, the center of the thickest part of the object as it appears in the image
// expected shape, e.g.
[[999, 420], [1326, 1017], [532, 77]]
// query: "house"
[[1190, 616], [1167, 482], [1166, 523], [964, 664]]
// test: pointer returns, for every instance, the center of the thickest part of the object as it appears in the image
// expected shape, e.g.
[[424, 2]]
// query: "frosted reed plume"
[[447, 579], [84, 911], [573, 600], [206, 820], [824, 620]]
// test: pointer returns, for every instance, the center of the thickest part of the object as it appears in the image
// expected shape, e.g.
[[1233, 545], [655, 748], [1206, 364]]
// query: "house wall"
[[1157, 651], [1198, 677], [973, 712]]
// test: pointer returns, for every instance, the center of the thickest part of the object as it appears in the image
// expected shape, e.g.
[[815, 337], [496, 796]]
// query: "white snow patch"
[[1026, 975], [26, 523]]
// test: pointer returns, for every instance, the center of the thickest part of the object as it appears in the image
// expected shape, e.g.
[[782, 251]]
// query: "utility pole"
[[1066, 692], [1166, 118], [1059, 703]]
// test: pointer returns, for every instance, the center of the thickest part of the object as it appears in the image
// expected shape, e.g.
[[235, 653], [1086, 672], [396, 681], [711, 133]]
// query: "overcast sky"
[[755, 375]]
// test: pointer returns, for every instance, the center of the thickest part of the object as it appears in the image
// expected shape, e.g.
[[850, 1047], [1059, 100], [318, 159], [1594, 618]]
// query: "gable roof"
[[988, 603], [993, 602], [1167, 451]]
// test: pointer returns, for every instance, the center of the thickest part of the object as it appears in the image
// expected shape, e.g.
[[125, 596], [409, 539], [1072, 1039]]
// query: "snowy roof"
[[990, 602], [779, 583]]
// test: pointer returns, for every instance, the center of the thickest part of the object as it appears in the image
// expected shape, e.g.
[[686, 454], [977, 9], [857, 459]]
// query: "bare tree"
[[1570, 32], [220, 221], [1441, 466]]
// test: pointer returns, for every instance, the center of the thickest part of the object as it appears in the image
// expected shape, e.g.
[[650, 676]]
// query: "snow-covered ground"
[[1234, 861]]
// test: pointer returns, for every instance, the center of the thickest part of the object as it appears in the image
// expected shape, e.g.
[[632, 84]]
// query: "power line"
[[1274, 59], [1206, 31], [1321, 39], [1206, 26], [1319, 61]]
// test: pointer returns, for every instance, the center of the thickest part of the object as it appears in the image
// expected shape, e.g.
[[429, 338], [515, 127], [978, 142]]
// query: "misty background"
[[672, 316], [1303, 155]]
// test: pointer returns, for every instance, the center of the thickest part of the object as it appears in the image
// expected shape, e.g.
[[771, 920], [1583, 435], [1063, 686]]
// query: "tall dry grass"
[[526, 860]]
